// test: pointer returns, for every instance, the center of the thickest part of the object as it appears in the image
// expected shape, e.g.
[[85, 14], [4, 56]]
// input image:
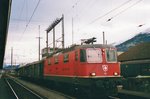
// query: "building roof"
[[139, 52]]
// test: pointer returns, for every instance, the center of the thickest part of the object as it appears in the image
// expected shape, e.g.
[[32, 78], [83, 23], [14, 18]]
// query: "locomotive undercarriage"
[[86, 87]]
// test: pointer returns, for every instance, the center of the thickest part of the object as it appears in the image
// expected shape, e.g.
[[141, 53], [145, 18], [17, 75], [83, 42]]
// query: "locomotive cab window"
[[111, 55], [94, 55], [82, 55]]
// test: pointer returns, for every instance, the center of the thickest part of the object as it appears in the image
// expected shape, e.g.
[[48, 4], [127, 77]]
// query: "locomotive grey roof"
[[87, 46], [139, 52], [73, 47], [95, 46], [32, 63]]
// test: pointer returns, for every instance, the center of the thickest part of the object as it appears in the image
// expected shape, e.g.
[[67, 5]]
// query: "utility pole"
[[63, 46], [54, 39], [103, 37], [11, 56], [39, 43]]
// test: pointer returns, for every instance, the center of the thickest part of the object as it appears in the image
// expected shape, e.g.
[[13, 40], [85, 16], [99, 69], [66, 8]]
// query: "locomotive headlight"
[[93, 74], [115, 73]]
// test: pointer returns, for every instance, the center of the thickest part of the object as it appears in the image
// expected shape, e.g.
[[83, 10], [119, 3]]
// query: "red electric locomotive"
[[91, 68]]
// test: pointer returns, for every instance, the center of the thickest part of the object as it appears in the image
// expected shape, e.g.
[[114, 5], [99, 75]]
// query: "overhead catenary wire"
[[74, 15], [102, 16], [26, 10], [116, 14], [21, 12], [141, 25], [124, 10], [68, 12], [30, 18], [19, 16], [85, 9], [113, 11], [118, 7]]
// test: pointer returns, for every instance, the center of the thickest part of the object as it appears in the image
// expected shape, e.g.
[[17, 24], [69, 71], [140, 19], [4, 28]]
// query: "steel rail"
[[112, 97], [28, 90], [12, 89]]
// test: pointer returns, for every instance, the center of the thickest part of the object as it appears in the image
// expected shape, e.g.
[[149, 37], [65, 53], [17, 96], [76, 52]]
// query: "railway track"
[[113, 97], [44, 91], [22, 92]]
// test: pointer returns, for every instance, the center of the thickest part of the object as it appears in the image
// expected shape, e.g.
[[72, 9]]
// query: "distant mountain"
[[139, 38], [8, 66]]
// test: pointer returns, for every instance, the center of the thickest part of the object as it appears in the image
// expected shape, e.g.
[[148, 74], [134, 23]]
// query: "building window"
[[56, 60], [66, 57]]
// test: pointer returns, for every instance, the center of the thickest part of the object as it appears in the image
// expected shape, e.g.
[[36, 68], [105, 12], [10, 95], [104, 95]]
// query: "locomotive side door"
[[76, 66], [76, 62]]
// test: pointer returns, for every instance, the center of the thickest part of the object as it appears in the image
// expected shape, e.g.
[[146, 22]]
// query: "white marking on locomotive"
[[105, 68]]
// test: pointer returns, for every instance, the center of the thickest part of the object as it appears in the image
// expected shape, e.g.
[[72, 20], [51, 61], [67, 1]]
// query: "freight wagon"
[[135, 68]]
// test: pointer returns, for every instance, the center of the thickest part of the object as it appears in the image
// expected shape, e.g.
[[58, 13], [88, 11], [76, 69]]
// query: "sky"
[[88, 17]]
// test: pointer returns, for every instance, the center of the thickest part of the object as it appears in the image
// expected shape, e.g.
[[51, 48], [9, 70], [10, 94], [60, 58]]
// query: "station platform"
[[139, 95]]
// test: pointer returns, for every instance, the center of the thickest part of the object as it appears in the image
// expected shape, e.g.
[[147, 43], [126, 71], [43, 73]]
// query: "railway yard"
[[85, 70]]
